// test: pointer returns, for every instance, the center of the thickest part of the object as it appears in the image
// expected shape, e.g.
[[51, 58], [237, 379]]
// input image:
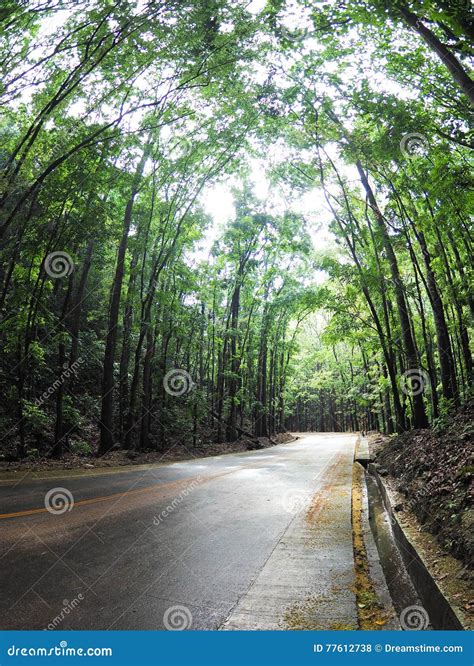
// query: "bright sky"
[[217, 199], [218, 202]]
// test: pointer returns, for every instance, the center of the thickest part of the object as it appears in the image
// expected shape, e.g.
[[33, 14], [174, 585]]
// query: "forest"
[[230, 219]]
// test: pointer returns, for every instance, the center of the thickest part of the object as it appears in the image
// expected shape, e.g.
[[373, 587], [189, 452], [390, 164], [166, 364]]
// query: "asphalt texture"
[[257, 540]]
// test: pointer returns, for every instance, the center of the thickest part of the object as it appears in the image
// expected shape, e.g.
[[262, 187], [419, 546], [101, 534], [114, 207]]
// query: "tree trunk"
[[453, 65], [419, 414], [231, 432], [107, 411], [445, 353]]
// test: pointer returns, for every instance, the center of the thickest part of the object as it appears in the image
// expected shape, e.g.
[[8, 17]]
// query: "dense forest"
[[132, 317]]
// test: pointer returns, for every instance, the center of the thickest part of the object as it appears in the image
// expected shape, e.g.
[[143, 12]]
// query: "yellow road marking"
[[103, 498]]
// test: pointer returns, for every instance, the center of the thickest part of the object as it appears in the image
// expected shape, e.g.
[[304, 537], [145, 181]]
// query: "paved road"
[[242, 541]]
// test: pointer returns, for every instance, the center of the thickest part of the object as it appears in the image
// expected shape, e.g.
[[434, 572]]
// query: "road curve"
[[257, 540]]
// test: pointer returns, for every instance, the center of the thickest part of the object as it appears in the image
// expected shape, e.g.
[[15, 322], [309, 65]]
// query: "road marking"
[[103, 498], [123, 469]]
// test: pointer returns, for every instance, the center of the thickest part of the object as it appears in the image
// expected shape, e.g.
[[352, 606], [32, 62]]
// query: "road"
[[256, 540]]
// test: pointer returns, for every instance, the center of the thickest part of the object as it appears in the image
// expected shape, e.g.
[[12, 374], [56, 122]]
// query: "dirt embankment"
[[120, 457], [433, 469]]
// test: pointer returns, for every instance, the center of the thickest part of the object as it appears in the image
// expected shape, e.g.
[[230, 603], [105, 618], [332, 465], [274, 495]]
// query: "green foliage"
[[35, 418], [82, 448], [118, 120]]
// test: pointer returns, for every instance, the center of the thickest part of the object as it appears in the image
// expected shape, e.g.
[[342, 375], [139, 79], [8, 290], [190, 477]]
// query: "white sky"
[[218, 202], [217, 199]]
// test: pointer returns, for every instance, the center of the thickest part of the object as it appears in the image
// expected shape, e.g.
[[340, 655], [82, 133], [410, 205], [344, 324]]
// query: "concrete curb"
[[376, 573], [441, 613], [362, 454]]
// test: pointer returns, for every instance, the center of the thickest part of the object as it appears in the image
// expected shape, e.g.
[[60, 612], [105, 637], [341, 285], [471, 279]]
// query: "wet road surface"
[[240, 541]]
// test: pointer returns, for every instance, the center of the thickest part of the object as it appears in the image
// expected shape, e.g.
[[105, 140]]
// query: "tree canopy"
[[134, 316]]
